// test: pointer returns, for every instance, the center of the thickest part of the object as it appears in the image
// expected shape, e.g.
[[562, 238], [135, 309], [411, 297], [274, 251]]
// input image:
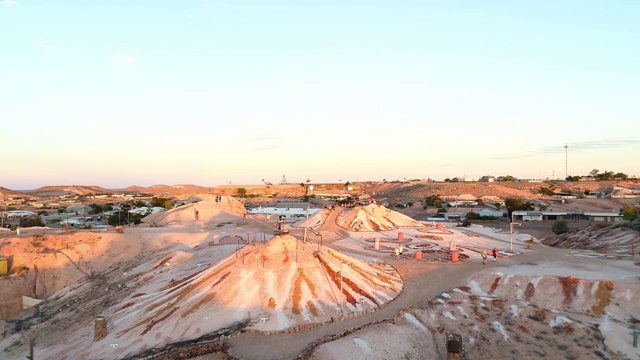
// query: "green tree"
[[473, 216], [509, 178], [158, 201], [433, 200], [169, 204], [96, 209], [123, 218], [31, 221], [546, 191], [517, 204], [630, 212], [560, 227], [241, 191]]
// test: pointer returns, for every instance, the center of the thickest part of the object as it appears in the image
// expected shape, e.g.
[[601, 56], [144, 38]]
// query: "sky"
[[210, 93]]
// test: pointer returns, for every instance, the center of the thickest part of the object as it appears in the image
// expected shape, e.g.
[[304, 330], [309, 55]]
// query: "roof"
[[538, 213]]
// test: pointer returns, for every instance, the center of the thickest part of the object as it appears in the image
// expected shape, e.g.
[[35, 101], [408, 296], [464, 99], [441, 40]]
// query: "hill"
[[178, 191], [5, 194], [62, 190]]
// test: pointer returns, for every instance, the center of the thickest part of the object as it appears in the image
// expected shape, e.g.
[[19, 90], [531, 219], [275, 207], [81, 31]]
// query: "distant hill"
[[7, 193], [53, 191], [180, 191], [415, 191]]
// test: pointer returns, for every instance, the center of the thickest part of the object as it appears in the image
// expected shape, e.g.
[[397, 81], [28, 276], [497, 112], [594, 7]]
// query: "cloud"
[[9, 2], [43, 44], [574, 147], [125, 59]]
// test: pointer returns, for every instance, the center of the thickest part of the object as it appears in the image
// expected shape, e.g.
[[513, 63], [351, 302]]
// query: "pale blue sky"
[[205, 92]]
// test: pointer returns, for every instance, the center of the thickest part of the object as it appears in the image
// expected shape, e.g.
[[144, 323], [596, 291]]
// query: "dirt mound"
[[204, 210], [315, 221], [277, 286], [373, 217], [616, 241], [507, 317]]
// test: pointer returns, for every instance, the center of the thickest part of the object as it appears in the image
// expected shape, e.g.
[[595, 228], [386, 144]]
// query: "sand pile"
[[373, 217], [208, 212], [261, 286]]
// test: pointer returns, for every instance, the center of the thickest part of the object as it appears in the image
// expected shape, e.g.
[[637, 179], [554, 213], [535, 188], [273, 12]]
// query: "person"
[[400, 248], [484, 256], [397, 253], [495, 254]]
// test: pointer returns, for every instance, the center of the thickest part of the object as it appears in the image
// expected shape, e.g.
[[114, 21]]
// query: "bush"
[[630, 224], [560, 227], [31, 221], [473, 216]]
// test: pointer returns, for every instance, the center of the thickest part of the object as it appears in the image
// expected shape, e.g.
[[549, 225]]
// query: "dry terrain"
[[219, 281]]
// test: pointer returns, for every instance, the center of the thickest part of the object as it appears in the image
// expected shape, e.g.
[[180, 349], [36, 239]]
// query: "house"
[[488, 212], [607, 217]]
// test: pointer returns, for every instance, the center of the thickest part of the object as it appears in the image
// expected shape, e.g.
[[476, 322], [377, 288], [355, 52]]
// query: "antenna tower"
[[566, 160]]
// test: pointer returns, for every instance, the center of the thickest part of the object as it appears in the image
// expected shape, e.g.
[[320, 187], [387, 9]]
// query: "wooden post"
[[100, 328], [454, 346], [32, 343]]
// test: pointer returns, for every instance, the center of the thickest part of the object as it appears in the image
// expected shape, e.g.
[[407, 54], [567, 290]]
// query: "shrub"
[[30, 221], [559, 227]]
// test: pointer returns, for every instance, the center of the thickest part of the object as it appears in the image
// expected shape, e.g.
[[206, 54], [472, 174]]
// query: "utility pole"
[[566, 160]]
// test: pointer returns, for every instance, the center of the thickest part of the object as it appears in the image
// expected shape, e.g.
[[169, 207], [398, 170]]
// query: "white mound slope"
[[315, 221], [208, 211], [374, 217], [274, 286]]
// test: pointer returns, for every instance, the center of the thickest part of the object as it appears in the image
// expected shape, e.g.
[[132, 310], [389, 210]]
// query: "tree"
[[96, 209], [433, 200], [546, 191], [241, 191], [158, 201], [594, 172], [559, 227], [31, 221], [630, 212], [509, 178], [621, 176], [473, 216], [517, 203], [573, 178], [169, 204]]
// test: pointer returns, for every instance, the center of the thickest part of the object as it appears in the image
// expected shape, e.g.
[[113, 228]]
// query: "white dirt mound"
[[374, 217], [274, 286], [207, 211], [315, 221]]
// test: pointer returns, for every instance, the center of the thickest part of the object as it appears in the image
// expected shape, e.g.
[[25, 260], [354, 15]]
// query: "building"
[[606, 217], [288, 212]]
